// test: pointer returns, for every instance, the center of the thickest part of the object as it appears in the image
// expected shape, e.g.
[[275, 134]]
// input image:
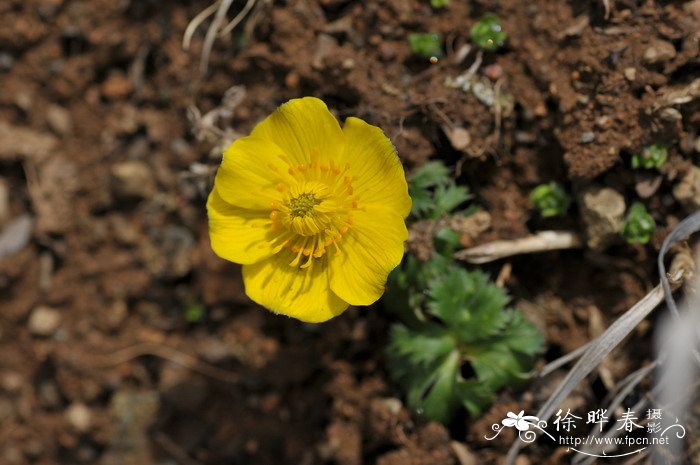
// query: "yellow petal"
[[303, 294], [302, 127], [249, 173], [236, 234], [378, 177], [369, 251]]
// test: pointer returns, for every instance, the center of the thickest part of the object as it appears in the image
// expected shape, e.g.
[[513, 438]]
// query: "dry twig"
[[216, 28], [540, 242], [165, 352]]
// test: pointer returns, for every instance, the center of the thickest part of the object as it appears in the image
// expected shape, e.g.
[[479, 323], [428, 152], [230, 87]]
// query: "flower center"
[[315, 211], [302, 205]]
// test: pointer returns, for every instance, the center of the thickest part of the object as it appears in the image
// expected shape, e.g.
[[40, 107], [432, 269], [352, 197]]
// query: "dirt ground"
[[125, 340]]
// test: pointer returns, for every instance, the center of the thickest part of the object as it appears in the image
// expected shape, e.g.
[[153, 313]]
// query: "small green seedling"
[[434, 192], [652, 156], [639, 226], [550, 199], [425, 45], [439, 3], [488, 33], [194, 312]]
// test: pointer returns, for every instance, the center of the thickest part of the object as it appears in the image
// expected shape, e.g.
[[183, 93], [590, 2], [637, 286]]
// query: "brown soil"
[[97, 147]]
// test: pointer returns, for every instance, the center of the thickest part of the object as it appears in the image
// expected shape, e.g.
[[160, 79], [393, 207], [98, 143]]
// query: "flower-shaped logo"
[[521, 421], [314, 212]]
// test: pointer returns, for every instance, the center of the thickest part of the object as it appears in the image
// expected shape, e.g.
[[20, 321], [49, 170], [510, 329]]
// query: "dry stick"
[[167, 353], [624, 387], [601, 347], [174, 449], [627, 385], [540, 242], [210, 37], [607, 341], [563, 360], [640, 405], [239, 17], [195, 23]]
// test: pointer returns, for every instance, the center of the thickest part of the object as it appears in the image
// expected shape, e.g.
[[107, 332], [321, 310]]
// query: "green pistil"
[[302, 205]]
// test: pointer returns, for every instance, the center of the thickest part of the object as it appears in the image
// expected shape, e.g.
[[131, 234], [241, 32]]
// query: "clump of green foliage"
[[639, 226], [652, 156], [457, 343], [434, 192], [488, 33], [550, 199], [426, 45], [439, 3]]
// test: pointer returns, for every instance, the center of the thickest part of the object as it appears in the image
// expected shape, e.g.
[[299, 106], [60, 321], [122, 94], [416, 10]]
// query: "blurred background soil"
[[124, 340]]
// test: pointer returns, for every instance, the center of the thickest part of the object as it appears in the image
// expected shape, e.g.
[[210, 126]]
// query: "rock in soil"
[[44, 321], [15, 235], [133, 413], [60, 120], [659, 51], [687, 191], [19, 142], [603, 211], [133, 179], [79, 416]]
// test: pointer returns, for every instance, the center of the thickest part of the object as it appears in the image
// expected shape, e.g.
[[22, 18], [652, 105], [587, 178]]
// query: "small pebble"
[[524, 137], [630, 74], [493, 71], [6, 61], [79, 416], [133, 179], [587, 137], [59, 120], [117, 314], [292, 80], [603, 122], [671, 115], [387, 51], [11, 381], [116, 86], [44, 321], [659, 51]]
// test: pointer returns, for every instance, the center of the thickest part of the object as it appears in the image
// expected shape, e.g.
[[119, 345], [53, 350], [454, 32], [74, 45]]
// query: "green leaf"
[[488, 33], [468, 304], [426, 45], [474, 396], [446, 241], [447, 198], [497, 366], [439, 3], [420, 348], [550, 199], [639, 225], [521, 336], [426, 363], [194, 312], [431, 174], [434, 192], [438, 401], [652, 156]]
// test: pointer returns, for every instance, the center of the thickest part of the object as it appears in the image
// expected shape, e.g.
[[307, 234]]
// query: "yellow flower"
[[314, 213]]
